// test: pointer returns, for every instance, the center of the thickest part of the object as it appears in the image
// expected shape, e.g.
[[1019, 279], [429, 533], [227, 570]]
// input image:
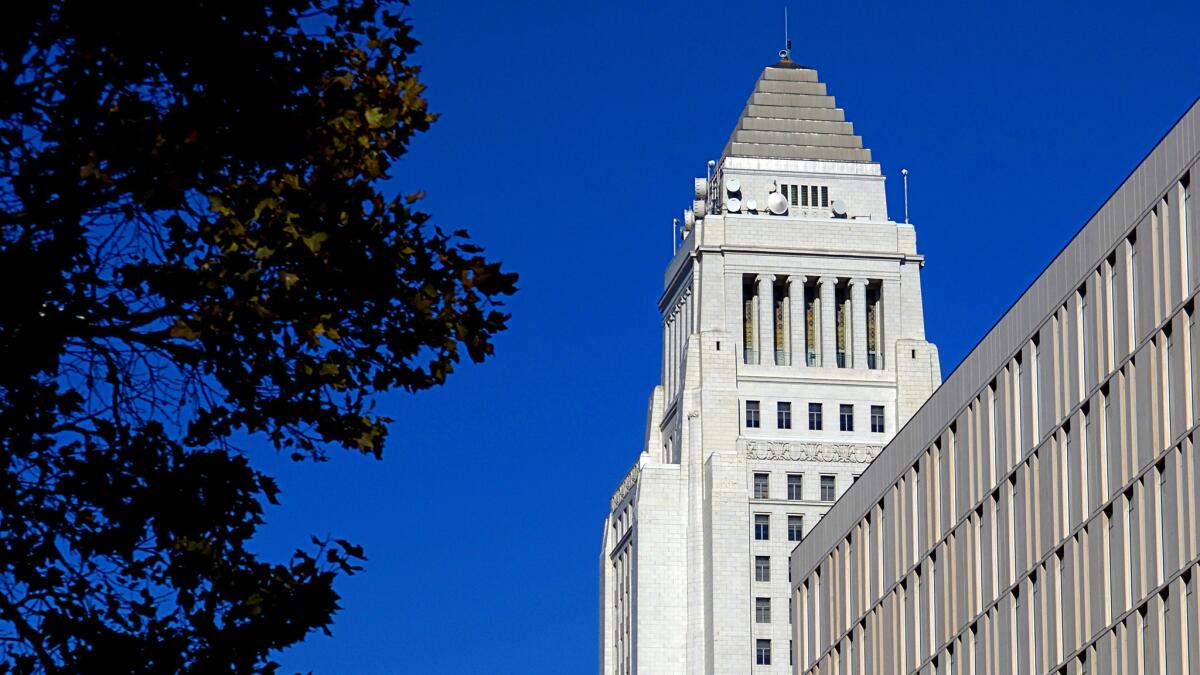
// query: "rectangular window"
[[762, 568], [804, 195], [762, 652], [814, 416], [762, 482], [762, 610], [846, 418], [762, 527], [783, 415], [795, 482], [828, 488], [824, 195], [751, 414], [795, 528], [877, 419], [795, 196]]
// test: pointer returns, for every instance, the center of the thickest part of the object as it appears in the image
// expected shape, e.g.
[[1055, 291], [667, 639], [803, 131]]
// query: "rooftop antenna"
[[904, 173], [675, 237], [785, 53]]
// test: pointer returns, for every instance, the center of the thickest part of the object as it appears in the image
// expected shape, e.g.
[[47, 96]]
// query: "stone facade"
[[1038, 514], [765, 315]]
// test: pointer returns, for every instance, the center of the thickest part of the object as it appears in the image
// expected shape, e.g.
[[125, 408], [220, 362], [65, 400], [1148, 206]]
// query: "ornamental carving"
[[626, 485], [812, 452]]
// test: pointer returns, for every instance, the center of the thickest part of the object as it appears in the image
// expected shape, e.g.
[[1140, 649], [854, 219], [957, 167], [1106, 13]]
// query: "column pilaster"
[[858, 314], [766, 318], [797, 338], [828, 322]]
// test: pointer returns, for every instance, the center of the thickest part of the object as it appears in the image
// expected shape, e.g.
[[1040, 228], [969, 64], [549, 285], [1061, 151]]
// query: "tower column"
[[858, 314], [797, 339], [766, 318], [828, 322]]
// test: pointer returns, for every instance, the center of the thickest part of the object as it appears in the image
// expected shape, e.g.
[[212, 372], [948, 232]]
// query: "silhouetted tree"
[[196, 250]]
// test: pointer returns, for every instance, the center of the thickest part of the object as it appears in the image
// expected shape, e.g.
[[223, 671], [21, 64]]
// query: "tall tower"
[[793, 349]]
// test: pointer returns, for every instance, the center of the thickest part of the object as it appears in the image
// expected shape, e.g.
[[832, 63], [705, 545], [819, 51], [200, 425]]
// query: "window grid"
[[762, 486], [846, 417], [783, 415], [877, 419], [795, 483], [762, 527], [752, 414], [814, 416]]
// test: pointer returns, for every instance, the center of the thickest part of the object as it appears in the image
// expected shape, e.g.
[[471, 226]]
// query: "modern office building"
[[793, 348], [1039, 513]]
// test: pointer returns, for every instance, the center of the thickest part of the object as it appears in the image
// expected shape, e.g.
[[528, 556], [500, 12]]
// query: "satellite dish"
[[734, 205], [732, 185], [777, 203], [839, 208], [751, 204], [701, 188], [699, 208]]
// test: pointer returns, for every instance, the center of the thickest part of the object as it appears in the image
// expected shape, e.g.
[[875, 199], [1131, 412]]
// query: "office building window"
[[795, 482], [762, 652], [783, 415], [814, 416], [846, 417], [762, 527], [762, 568], [795, 528], [762, 610], [762, 483], [877, 419], [751, 414], [828, 488]]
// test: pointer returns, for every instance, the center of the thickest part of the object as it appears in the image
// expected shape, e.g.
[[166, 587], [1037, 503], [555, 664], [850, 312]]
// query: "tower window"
[[751, 414], [762, 652], [846, 417], [783, 414], [877, 419], [794, 483], [814, 416], [762, 527], [762, 610], [762, 485], [795, 528], [828, 488], [762, 568]]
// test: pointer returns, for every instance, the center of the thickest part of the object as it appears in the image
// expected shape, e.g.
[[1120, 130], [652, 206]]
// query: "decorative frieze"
[[850, 453], [626, 485]]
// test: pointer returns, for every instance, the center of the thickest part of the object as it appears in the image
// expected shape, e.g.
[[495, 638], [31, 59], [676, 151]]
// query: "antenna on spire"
[[904, 173], [785, 53]]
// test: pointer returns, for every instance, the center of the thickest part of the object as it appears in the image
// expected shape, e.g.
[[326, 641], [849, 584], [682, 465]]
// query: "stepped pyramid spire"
[[791, 116]]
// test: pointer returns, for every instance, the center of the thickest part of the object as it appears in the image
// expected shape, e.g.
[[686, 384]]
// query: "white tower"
[[793, 349]]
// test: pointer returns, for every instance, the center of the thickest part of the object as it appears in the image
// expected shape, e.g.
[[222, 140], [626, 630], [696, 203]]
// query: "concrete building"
[[793, 349], [1039, 513]]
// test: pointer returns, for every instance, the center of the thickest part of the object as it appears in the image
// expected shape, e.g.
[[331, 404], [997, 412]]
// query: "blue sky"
[[569, 135]]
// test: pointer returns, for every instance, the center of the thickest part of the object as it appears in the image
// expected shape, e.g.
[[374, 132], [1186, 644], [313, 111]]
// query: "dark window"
[[795, 482], [762, 568], [762, 652], [846, 418], [751, 414], [795, 528], [762, 527], [824, 195], [814, 416], [828, 488], [762, 610], [783, 415], [877, 419], [762, 483], [804, 195]]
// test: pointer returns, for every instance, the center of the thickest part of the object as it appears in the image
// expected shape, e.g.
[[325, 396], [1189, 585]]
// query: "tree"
[[196, 250]]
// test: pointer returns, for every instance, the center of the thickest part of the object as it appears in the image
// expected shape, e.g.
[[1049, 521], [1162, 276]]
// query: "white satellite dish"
[[700, 208], [732, 185], [701, 188], [839, 207], [777, 203], [734, 205], [751, 204]]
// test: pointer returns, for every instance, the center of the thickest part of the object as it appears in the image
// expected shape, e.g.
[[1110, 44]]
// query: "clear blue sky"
[[569, 135]]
